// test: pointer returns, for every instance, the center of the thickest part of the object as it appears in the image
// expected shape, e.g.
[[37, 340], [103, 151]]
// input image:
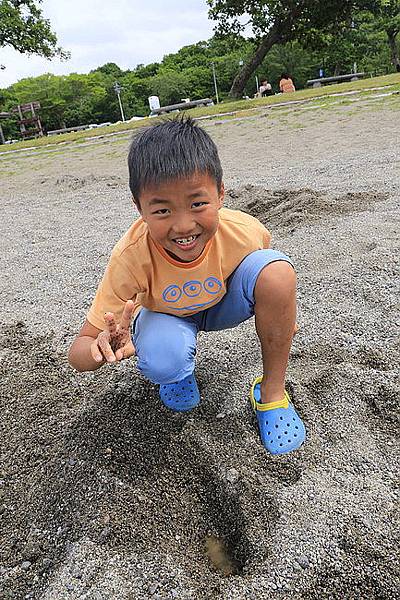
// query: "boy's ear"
[[221, 195], [137, 204]]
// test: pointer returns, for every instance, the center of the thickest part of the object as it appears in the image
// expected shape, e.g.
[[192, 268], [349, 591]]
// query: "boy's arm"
[[93, 346], [80, 354], [266, 238]]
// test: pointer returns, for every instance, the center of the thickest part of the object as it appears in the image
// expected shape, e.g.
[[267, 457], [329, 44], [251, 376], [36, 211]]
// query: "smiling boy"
[[189, 265]]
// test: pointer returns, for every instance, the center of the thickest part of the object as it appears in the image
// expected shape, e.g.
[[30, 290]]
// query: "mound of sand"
[[289, 209]]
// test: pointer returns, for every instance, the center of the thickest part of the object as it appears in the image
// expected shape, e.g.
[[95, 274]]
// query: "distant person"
[[189, 265], [265, 89], [286, 84]]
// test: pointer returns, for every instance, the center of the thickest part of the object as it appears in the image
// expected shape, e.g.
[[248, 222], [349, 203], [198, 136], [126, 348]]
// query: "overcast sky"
[[127, 32]]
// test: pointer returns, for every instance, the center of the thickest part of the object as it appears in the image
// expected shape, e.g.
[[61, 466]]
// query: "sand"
[[104, 493]]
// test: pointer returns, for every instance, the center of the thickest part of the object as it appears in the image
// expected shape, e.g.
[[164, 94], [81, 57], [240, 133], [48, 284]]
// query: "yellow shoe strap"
[[284, 403], [261, 406]]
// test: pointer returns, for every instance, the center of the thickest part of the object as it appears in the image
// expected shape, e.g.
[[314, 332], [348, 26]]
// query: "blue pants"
[[166, 345]]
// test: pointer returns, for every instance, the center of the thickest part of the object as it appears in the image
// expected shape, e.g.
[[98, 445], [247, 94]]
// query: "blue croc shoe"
[[281, 428], [181, 396]]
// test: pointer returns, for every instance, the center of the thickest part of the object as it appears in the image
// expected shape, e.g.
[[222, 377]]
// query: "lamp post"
[[117, 90], [215, 83]]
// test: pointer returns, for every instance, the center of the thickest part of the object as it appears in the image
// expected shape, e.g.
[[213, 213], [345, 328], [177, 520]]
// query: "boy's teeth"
[[186, 240]]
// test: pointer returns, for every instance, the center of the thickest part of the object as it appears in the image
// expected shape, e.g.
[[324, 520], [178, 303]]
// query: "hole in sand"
[[220, 556]]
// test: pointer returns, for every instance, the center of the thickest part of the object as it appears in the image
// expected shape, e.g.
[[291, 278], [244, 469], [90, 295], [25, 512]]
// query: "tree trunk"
[[274, 36], [394, 51], [337, 70]]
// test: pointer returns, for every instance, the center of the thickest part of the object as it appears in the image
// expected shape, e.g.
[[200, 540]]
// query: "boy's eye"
[[161, 211], [197, 204]]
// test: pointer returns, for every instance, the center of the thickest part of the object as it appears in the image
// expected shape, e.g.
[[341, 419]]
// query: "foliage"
[[388, 14], [388, 20], [238, 108], [78, 99], [278, 22], [23, 27]]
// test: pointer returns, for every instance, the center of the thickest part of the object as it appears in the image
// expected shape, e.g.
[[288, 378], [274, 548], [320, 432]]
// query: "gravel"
[[105, 494]]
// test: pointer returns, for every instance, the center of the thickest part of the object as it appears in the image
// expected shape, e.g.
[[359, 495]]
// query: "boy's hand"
[[114, 343]]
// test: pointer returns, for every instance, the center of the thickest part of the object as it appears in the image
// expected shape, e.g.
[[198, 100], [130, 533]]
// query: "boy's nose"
[[184, 226]]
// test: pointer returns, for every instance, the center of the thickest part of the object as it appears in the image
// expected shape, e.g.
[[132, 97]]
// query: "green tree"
[[111, 70], [170, 86], [66, 100], [278, 22], [194, 62], [291, 58], [23, 27], [363, 40], [135, 91], [46, 89], [388, 20], [144, 71]]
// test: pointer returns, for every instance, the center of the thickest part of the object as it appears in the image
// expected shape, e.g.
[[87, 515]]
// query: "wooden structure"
[[335, 79], [181, 106], [29, 121], [3, 115]]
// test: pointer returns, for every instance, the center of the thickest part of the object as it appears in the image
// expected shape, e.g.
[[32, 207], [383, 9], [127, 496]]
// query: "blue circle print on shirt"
[[192, 288], [212, 285], [172, 293]]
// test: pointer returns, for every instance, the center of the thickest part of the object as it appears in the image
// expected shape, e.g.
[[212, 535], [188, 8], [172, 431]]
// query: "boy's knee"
[[277, 278], [166, 367], [166, 362]]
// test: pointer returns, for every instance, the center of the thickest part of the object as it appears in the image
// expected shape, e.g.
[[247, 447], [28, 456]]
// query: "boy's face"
[[182, 215]]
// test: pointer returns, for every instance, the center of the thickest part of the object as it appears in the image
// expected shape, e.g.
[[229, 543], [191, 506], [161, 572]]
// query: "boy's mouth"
[[187, 243]]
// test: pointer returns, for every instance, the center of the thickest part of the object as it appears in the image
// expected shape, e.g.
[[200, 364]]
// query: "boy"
[[188, 265]]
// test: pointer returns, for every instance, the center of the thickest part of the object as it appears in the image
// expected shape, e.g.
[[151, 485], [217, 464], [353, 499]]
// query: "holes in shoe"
[[276, 426], [295, 435], [279, 437], [281, 444], [289, 441], [295, 427], [288, 424], [281, 418], [285, 432]]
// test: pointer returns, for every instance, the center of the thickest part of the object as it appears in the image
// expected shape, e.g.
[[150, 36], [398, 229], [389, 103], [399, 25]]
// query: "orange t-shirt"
[[141, 270], [286, 85]]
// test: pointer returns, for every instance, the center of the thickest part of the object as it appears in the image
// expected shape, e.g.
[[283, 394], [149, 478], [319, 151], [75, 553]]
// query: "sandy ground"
[[104, 494]]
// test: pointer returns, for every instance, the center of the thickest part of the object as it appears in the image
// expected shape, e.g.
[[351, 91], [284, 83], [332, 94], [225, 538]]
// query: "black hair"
[[172, 149], [285, 76]]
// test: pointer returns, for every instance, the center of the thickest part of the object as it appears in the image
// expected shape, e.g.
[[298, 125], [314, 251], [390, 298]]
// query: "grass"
[[239, 107]]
